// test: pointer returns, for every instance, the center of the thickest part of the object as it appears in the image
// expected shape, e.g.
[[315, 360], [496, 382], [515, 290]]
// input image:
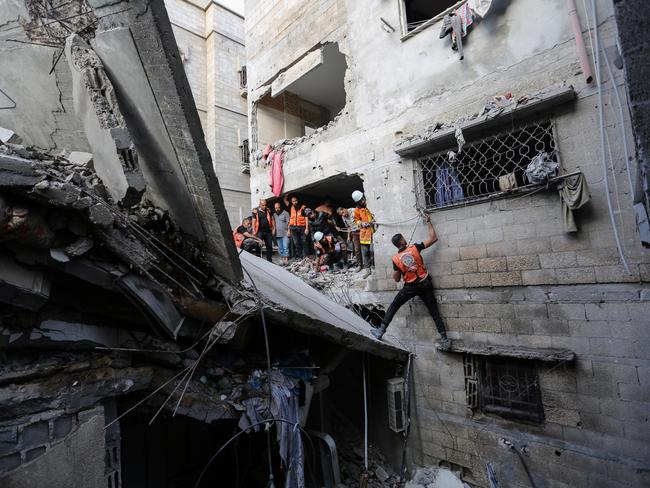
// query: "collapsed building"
[[138, 347], [487, 115]]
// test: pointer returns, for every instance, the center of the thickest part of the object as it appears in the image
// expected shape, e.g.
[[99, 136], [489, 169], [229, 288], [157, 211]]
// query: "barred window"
[[485, 169], [245, 156], [505, 387], [243, 78]]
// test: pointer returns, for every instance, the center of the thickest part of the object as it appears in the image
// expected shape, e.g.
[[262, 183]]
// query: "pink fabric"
[[267, 150], [276, 177]]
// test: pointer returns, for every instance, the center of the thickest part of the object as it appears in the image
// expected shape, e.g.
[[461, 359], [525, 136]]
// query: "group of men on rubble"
[[300, 231], [301, 226]]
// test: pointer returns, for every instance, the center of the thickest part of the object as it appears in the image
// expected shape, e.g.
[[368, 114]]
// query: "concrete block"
[[558, 260], [607, 311], [562, 416], [476, 280], [534, 245], [611, 347], [571, 276], [531, 311], [453, 281], [632, 392], [510, 278], [473, 252], [464, 267], [487, 265], [500, 249], [590, 328], [61, 427], [7, 463], [522, 262], [597, 257], [617, 274], [569, 311], [516, 326], [487, 236], [34, 453], [551, 327], [35, 434], [539, 277], [568, 242]]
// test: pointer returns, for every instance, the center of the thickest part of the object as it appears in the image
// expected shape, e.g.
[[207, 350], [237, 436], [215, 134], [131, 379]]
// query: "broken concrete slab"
[[7, 136], [81, 159], [519, 352], [22, 286], [95, 104]]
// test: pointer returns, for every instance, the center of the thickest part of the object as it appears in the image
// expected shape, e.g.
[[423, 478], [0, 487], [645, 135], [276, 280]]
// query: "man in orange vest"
[[245, 240], [264, 228], [409, 266], [330, 252], [364, 218], [298, 227]]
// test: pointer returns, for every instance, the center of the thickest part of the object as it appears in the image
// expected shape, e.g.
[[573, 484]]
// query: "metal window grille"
[[476, 173], [243, 78], [509, 388], [245, 157]]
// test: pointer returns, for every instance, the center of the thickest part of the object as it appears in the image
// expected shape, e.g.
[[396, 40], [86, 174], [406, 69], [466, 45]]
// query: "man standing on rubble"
[[281, 220], [409, 265], [352, 230], [298, 226], [364, 218], [264, 228]]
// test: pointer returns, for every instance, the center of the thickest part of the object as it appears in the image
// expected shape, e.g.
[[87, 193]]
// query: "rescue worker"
[[329, 252], [352, 231], [409, 266], [364, 218], [298, 227], [320, 222], [245, 239], [264, 228]]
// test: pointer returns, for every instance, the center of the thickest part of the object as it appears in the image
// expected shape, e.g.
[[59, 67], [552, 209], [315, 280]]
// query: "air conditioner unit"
[[396, 404]]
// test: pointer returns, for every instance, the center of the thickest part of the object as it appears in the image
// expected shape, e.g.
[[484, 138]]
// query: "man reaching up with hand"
[[409, 266]]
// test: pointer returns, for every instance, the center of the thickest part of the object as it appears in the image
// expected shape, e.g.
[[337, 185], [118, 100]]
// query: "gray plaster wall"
[[60, 452], [505, 271]]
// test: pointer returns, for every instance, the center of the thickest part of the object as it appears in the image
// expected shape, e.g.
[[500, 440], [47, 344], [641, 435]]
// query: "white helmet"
[[318, 236], [357, 195]]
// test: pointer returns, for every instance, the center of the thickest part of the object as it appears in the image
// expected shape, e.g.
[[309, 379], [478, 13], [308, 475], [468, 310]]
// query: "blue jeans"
[[283, 246]]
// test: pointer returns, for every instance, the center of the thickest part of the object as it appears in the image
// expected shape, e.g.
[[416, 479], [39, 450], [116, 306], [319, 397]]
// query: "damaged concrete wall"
[[165, 127], [505, 271]]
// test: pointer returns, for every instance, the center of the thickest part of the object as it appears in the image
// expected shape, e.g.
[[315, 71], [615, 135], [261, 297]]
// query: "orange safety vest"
[[297, 219], [365, 233], [328, 247], [239, 238], [256, 222], [410, 263]]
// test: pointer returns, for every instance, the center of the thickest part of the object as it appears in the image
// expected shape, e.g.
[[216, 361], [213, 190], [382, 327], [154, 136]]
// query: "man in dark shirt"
[[409, 265], [264, 228], [319, 222], [244, 238]]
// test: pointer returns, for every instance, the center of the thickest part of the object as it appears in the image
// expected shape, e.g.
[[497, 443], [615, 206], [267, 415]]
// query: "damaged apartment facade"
[[137, 347], [547, 376]]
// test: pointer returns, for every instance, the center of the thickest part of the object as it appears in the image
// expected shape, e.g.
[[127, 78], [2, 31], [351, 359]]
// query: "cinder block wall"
[[505, 271], [210, 38]]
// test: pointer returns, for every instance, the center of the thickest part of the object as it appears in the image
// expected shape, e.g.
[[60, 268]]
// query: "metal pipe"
[[580, 41]]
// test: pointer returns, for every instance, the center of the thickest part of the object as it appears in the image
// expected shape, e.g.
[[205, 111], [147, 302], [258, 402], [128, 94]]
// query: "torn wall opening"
[[303, 98], [420, 11]]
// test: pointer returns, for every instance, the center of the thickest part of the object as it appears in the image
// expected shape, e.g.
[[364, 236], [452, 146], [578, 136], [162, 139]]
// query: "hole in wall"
[[306, 104]]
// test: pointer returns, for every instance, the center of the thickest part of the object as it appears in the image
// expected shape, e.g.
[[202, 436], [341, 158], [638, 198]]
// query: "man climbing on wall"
[[409, 266], [364, 218]]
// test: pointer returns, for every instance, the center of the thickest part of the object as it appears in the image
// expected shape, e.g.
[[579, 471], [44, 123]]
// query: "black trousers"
[[299, 240], [267, 237], [424, 290]]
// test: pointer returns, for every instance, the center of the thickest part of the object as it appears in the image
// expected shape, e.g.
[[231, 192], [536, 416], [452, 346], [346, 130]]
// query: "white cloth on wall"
[[480, 7]]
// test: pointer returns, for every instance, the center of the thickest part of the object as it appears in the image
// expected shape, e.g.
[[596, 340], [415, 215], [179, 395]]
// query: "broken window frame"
[[407, 34], [480, 386], [245, 156], [243, 78], [425, 190]]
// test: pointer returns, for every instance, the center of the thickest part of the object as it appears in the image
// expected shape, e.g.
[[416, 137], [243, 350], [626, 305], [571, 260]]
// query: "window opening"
[[484, 169], [420, 11], [505, 387], [243, 78], [245, 157]]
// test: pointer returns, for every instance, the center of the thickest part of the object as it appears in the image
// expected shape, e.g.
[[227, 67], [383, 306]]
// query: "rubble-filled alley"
[[324, 244]]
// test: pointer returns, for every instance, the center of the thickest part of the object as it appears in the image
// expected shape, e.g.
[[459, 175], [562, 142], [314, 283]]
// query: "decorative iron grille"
[[509, 388], [243, 78], [489, 168]]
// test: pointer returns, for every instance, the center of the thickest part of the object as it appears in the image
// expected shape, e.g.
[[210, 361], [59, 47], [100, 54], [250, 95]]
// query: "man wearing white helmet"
[[364, 218], [329, 251]]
